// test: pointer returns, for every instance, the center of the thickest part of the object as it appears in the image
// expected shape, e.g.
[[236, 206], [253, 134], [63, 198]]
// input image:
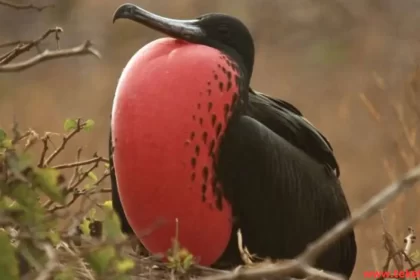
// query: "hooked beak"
[[181, 29]]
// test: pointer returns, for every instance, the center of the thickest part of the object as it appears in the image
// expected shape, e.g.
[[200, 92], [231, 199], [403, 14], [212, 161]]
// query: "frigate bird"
[[194, 146]]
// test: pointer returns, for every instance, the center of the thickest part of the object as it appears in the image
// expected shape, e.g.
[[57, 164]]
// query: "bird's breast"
[[171, 107]]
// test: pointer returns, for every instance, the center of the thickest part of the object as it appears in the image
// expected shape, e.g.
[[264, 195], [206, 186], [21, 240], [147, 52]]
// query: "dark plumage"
[[277, 170]]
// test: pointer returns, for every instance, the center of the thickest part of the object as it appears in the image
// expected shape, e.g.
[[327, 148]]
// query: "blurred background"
[[349, 66]]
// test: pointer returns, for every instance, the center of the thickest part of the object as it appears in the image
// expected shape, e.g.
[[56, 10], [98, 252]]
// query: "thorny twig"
[[78, 176], [79, 193], [29, 6], [84, 49], [391, 247], [13, 43], [396, 254], [81, 163], [304, 260], [24, 47], [66, 138]]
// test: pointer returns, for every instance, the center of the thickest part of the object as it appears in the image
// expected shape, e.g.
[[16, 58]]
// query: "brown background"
[[321, 55]]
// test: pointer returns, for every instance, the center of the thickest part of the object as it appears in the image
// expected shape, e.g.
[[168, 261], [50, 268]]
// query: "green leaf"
[[35, 256], [107, 204], [66, 274], [188, 261], [54, 237], [100, 259], [87, 187], [124, 265], [6, 143], [8, 262], [415, 256], [88, 125], [70, 124], [93, 176], [47, 180], [112, 226], [3, 135], [84, 227], [24, 195], [19, 163], [92, 214]]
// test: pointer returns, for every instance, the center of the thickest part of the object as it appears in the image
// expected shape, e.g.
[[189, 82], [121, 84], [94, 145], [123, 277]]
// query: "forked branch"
[[84, 49], [22, 46]]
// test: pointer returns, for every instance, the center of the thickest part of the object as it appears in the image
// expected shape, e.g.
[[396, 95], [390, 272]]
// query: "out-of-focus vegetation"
[[36, 196], [358, 59]]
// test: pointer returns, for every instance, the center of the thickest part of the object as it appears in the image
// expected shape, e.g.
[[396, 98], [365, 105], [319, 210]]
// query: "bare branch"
[[81, 163], [304, 260], [79, 193], [84, 49], [29, 6], [52, 263], [13, 43], [45, 140], [66, 138], [24, 47]]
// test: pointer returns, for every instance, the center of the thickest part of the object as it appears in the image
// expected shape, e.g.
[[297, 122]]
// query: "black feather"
[[282, 199], [116, 202], [285, 120]]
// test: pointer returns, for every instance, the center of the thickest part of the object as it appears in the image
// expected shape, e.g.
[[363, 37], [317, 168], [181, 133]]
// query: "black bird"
[[256, 157]]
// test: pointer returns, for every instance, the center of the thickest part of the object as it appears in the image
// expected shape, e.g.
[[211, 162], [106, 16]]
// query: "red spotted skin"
[[170, 110]]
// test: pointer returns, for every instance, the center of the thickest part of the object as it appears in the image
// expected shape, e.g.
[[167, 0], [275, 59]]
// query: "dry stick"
[[81, 163], [29, 6], [393, 251], [66, 138], [76, 169], [21, 48], [13, 43], [410, 262], [391, 247], [51, 265], [301, 263], [77, 193], [84, 49], [44, 150]]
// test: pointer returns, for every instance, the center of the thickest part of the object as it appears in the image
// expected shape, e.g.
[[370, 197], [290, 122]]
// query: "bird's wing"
[[282, 199], [288, 122]]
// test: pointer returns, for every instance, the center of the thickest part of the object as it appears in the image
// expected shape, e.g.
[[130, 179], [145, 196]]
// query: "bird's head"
[[219, 31]]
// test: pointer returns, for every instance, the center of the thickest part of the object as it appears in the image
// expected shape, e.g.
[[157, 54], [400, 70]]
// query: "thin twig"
[[84, 49], [300, 264], [81, 163], [44, 150], [51, 265], [24, 47], [13, 43], [393, 251], [66, 138], [77, 193], [29, 6]]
